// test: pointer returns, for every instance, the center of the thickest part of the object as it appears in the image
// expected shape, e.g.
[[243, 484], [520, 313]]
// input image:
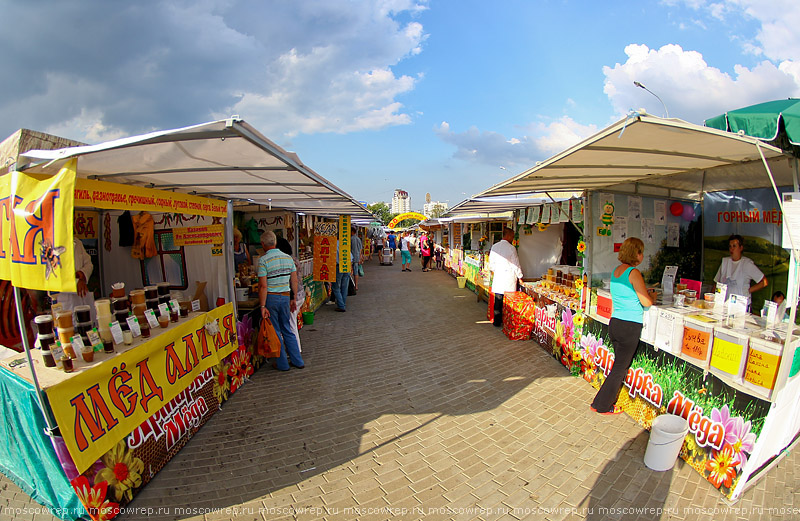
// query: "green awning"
[[762, 121]]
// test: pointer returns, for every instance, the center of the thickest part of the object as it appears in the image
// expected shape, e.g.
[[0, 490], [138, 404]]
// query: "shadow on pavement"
[[394, 375]]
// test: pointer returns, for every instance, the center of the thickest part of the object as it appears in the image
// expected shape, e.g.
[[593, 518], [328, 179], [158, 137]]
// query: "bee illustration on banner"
[[52, 258]]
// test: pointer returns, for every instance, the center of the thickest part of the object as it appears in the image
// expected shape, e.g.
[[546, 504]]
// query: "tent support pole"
[[702, 223], [228, 252], [791, 290], [588, 224], [51, 424], [100, 256]]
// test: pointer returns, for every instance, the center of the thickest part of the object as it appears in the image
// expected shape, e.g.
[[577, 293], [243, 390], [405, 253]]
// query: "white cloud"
[[690, 88], [542, 140], [286, 67], [777, 38]]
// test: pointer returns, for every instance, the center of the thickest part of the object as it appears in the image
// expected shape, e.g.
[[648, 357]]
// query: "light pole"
[[654, 94]]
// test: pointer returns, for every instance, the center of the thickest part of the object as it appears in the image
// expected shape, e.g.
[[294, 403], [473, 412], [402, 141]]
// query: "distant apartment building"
[[434, 208], [401, 202]]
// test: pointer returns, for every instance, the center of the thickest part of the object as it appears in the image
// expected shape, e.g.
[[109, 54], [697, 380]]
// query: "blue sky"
[[424, 95]]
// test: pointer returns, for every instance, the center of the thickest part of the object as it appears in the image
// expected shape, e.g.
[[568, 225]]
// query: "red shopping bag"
[[269, 344]]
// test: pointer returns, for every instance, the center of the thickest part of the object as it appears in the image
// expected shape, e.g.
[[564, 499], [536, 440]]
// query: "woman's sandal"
[[615, 409]]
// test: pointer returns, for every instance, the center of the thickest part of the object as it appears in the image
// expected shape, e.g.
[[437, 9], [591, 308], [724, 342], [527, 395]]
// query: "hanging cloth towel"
[[125, 229], [144, 245], [251, 235]]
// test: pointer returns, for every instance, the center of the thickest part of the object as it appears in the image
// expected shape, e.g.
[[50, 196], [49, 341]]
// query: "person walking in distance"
[[391, 239], [356, 247], [405, 252]]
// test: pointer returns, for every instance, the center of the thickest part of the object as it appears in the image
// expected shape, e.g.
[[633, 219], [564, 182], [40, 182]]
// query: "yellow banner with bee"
[[36, 230]]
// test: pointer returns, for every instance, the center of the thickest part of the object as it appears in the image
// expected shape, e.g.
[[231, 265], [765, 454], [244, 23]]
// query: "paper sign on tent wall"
[[534, 214], [546, 211], [620, 229], [648, 231], [634, 207], [791, 220], [577, 210], [673, 234], [660, 212]]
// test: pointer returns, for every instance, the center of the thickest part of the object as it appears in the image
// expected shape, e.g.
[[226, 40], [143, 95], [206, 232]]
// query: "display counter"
[[134, 408], [734, 385]]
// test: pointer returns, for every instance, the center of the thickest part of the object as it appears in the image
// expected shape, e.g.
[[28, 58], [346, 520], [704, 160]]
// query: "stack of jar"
[[46, 337], [104, 319], [151, 297], [138, 299], [83, 316], [163, 292], [66, 329]]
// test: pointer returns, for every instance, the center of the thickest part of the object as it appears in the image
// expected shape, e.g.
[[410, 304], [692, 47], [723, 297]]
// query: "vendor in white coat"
[[737, 271], [506, 272], [83, 270]]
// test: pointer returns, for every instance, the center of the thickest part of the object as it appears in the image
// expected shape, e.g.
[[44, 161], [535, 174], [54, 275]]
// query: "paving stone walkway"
[[412, 406]]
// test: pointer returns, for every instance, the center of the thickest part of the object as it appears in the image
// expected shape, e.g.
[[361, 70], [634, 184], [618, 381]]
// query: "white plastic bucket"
[[241, 294], [666, 439]]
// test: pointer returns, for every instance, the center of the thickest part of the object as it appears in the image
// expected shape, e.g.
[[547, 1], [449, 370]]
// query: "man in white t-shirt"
[[737, 271], [506, 272]]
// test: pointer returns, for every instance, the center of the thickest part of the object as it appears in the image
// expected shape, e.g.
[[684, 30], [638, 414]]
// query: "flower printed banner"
[[723, 424], [108, 401]]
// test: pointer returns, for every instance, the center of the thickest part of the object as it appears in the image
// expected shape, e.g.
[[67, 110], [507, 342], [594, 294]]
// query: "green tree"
[[382, 211], [437, 212]]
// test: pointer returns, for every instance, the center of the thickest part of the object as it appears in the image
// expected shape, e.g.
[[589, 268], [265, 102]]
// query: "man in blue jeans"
[[277, 275], [342, 284]]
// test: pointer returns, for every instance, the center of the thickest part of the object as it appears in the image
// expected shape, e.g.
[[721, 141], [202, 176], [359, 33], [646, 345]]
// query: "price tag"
[[77, 343], [720, 296], [762, 368], [174, 306], [94, 338], [57, 352], [116, 332], [55, 308], [150, 315], [695, 343], [727, 356], [163, 309], [668, 279], [133, 324], [737, 310], [195, 305]]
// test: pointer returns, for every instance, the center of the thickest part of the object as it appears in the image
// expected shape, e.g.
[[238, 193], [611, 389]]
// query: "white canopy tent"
[[487, 205], [661, 157], [671, 158], [226, 159]]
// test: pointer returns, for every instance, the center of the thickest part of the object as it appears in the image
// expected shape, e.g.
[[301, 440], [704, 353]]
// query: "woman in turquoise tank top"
[[629, 297]]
